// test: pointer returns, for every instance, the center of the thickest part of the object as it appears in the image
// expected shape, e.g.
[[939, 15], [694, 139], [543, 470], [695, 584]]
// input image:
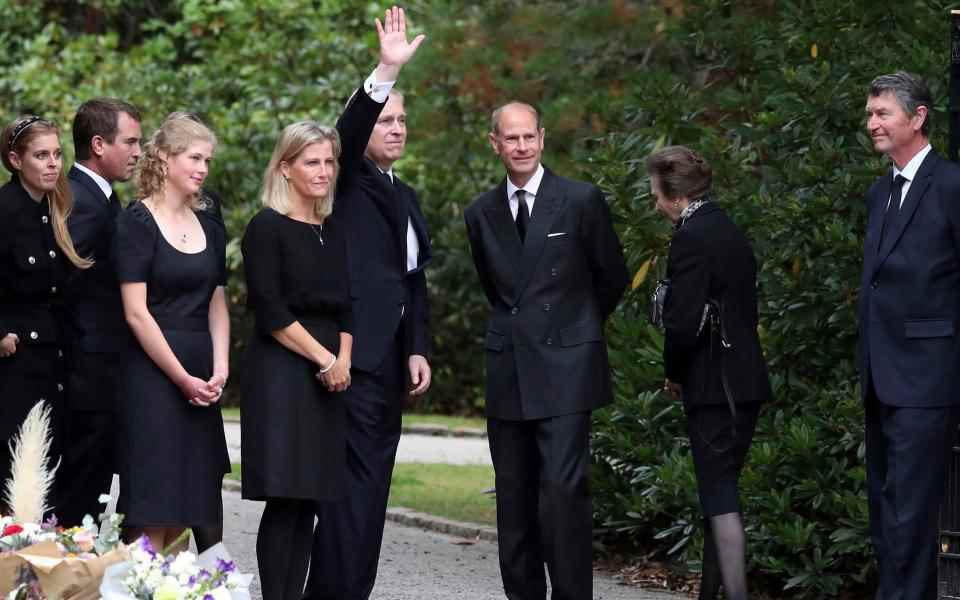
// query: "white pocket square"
[[558, 234]]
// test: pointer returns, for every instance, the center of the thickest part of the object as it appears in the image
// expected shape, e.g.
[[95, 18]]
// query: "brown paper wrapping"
[[60, 578]]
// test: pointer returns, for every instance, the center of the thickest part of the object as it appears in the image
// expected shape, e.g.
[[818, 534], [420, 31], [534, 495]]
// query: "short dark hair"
[[495, 115], [910, 91], [99, 116], [681, 172]]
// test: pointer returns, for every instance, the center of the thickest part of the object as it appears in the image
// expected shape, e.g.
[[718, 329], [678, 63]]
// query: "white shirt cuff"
[[377, 90]]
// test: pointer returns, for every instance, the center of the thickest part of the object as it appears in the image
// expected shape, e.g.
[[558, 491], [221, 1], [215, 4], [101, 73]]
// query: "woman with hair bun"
[[36, 254], [171, 263]]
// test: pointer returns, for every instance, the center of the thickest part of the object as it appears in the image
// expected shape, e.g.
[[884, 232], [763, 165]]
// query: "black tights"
[[283, 547], [205, 537], [724, 558]]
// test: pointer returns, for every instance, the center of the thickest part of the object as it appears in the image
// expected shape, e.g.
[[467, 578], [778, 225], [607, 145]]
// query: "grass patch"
[[451, 422], [234, 472], [451, 491], [231, 412]]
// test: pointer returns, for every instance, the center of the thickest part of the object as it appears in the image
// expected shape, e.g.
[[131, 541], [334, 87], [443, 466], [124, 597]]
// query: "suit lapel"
[[544, 209], [87, 182], [877, 207], [386, 198], [918, 188]]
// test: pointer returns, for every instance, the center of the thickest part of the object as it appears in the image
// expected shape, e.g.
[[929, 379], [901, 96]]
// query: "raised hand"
[[395, 50]]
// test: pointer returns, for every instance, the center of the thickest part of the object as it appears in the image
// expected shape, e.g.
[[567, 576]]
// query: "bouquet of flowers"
[[150, 575]]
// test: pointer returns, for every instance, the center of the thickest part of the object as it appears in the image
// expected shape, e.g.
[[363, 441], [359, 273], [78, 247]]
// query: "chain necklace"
[[319, 234]]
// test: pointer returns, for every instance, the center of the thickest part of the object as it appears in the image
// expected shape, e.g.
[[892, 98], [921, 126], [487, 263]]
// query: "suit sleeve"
[[604, 253], [86, 221], [355, 126], [479, 260], [683, 309]]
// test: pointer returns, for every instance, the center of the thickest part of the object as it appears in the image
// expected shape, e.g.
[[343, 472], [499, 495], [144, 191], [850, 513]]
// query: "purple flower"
[[192, 581], [208, 597], [146, 546], [226, 566], [204, 574]]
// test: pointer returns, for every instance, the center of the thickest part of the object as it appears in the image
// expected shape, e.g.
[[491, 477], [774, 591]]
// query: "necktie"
[[523, 214], [893, 209]]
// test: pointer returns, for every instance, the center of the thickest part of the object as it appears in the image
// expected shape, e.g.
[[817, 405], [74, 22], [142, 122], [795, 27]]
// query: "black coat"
[[33, 274], [910, 291], [546, 354], [374, 213], [711, 258], [95, 308]]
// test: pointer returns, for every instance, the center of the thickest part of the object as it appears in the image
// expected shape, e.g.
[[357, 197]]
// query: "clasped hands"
[[203, 393], [337, 379]]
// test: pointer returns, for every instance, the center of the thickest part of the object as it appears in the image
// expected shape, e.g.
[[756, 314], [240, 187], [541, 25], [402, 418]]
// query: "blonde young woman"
[[36, 254], [299, 356], [170, 261]]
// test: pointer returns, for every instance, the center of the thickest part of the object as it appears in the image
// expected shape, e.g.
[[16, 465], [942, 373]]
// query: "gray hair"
[[910, 91], [495, 116]]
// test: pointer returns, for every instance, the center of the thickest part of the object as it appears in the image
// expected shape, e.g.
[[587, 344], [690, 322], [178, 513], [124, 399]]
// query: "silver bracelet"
[[328, 367]]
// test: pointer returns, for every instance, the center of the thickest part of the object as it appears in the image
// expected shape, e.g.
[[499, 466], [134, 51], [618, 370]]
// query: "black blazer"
[[910, 291], [545, 350], [373, 212], [94, 306], [711, 258]]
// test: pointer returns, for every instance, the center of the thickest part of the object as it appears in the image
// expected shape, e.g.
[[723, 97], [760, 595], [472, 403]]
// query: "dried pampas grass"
[[31, 481]]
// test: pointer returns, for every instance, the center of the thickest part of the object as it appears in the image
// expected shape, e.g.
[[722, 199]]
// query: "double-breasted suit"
[[546, 369], [99, 335], [377, 214], [909, 354]]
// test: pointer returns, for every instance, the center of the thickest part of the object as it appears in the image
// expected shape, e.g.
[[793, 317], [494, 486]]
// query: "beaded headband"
[[20, 128]]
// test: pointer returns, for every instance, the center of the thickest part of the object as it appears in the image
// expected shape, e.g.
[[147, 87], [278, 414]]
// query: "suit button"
[[53, 254], [31, 260], [59, 387], [554, 272], [45, 219], [34, 335], [546, 307], [514, 310], [549, 341], [874, 285], [59, 353], [53, 289]]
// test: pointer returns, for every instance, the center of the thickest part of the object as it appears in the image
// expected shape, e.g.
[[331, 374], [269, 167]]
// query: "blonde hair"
[[174, 136], [28, 127], [294, 139]]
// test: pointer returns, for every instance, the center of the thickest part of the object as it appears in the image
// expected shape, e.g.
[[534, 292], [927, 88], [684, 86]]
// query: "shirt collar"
[[531, 187], [910, 169], [388, 172], [102, 183]]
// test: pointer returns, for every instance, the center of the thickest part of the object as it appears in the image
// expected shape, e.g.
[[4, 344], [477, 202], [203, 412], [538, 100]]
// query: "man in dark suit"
[[553, 270], [389, 249], [909, 343], [106, 137]]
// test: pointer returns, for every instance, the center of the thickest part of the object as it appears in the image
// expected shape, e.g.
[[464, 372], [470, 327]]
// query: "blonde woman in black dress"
[[298, 358], [170, 260]]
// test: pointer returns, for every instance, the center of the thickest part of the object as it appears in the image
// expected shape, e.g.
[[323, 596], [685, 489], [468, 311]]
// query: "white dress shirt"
[[102, 183], [909, 172], [531, 188], [378, 91]]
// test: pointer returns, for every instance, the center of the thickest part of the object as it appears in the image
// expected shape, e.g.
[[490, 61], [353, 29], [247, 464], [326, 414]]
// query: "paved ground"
[[414, 564], [413, 448]]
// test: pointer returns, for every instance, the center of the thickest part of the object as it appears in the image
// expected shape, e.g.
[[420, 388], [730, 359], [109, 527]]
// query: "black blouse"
[[292, 274], [33, 269], [179, 284]]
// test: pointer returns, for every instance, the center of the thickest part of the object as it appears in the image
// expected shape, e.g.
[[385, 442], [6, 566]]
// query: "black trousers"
[[544, 508], [907, 450], [349, 532], [91, 430]]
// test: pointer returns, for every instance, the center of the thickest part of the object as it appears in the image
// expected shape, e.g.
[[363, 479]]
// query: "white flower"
[[220, 593], [184, 564]]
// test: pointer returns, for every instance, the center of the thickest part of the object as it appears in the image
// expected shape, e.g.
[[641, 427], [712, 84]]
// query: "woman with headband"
[[36, 254]]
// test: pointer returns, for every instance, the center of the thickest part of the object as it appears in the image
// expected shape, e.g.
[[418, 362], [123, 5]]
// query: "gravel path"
[[414, 564]]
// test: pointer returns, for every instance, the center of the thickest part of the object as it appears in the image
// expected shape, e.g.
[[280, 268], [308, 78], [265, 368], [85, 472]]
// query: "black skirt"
[[174, 453], [719, 450], [293, 440]]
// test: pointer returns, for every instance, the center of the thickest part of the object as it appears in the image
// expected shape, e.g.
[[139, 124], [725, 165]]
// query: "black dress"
[[175, 452], [33, 273], [723, 387], [292, 427]]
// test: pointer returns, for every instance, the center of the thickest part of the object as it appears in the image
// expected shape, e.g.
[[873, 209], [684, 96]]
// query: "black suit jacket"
[[711, 258], [545, 348], [95, 308], [374, 213], [910, 291]]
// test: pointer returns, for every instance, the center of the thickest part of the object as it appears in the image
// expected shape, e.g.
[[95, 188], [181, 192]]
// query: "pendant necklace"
[[183, 238], [319, 234]]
